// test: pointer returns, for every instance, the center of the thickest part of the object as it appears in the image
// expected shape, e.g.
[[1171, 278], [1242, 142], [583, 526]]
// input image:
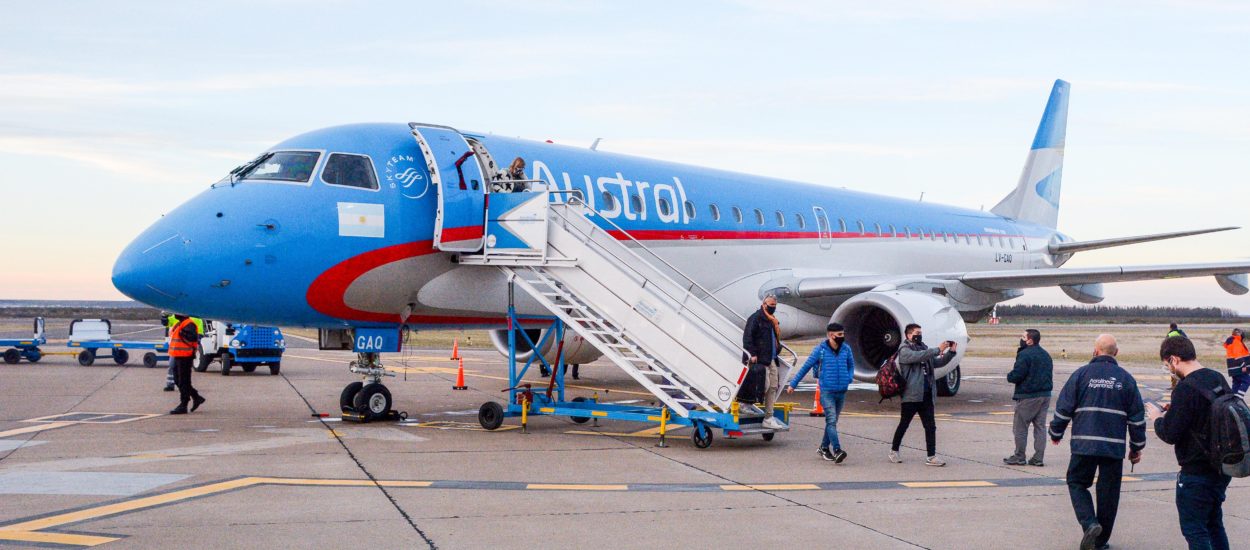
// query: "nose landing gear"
[[368, 400]]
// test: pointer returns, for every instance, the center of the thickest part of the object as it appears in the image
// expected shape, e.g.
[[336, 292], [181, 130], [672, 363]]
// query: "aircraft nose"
[[153, 268]]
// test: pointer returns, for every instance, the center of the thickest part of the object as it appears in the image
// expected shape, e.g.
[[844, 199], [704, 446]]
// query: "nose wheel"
[[368, 400]]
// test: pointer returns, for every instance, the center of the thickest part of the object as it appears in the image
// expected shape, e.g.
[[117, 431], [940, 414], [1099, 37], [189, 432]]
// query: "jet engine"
[[875, 321], [577, 351]]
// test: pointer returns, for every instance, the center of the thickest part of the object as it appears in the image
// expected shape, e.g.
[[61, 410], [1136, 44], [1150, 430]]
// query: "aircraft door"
[[457, 175], [822, 227]]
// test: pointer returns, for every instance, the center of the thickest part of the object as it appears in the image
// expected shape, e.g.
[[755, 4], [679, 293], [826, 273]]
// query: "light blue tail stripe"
[[1050, 133]]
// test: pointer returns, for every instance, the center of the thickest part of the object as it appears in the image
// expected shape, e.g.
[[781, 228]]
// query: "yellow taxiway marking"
[[649, 432], [68, 539], [772, 487], [575, 487], [52, 422], [468, 426], [945, 484]]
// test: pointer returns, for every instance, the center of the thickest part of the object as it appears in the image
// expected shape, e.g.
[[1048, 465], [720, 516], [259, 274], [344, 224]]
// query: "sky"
[[113, 114]]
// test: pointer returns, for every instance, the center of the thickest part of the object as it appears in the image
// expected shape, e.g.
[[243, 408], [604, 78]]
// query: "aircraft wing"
[[1230, 275]]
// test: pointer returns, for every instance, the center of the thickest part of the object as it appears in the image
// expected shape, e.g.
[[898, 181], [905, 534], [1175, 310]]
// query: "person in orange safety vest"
[[183, 339], [1238, 359]]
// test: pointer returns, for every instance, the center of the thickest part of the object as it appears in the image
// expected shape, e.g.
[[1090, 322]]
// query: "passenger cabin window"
[[288, 166], [635, 204], [841, 225], [877, 226], [349, 171], [665, 208], [893, 232], [861, 227], [907, 231], [759, 217], [798, 218], [690, 210], [715, 210], [781, 219], [609, 201], [737, 214]]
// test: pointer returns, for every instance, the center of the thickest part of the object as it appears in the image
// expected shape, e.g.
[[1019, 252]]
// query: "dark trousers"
[[1200, 505], [925, 408], [1081, 470], [182, 379]]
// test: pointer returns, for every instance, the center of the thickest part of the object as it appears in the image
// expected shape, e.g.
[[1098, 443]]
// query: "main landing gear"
[[368, 400]]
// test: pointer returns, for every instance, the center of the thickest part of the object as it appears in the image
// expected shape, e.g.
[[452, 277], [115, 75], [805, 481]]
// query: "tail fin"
[[1036, 198]]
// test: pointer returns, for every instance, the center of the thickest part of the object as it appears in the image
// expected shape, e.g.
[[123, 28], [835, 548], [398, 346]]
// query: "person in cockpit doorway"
[[761, 338]]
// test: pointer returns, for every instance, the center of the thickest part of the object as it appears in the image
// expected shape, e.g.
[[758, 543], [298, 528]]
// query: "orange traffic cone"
[[460, 378], [455, 349], [817, 410]]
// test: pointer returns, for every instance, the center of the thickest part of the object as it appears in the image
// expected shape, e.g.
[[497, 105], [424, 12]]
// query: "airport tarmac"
[[88, 457]]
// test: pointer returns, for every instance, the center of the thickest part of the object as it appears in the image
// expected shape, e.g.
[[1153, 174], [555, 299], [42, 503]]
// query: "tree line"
[[1157, 313]]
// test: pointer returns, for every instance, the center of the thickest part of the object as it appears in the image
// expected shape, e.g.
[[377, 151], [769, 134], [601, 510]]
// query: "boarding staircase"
[[654, 322]]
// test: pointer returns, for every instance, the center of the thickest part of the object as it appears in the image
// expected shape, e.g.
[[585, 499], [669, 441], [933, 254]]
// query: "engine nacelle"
[[577, 351], [874, 324]]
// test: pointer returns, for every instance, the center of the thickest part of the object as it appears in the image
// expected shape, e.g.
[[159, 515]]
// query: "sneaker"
[[196, 402], [179, 410], [825, 454], [895, 458], [169, 388], [1014, 461], [1036, 462], [934, 461], [839, 455], [774, 424], [1091, 533]]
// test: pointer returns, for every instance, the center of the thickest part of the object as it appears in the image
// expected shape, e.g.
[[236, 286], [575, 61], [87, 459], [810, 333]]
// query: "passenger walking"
[[916, 362], [1200, 488], [183, 339], [834, 364], [761, 338], [1238, 361], [1102, 402], [1032, 376]]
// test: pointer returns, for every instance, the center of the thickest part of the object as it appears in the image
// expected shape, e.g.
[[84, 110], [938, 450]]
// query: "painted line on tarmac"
[[44, 529], [53, 422]]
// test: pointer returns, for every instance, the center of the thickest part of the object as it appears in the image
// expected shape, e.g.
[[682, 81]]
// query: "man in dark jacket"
[[1102, 402], [916, 362], [1032, 377], [1200, 488], [761, 339]]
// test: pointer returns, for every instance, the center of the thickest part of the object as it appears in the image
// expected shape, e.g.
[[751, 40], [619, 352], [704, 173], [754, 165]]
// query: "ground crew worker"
[[183, 339], [170, 322], [1102, 402], [1032, 375], [1174, 330], [761, 339], [1238, 360]]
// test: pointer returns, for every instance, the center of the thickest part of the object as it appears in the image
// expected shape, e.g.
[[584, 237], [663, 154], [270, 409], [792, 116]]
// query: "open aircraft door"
[[456, 174]]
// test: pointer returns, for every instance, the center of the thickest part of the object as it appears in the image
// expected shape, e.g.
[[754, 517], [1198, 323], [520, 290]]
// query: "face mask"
[[916, 338], [839, 339], [770, 309], [1023, 343]]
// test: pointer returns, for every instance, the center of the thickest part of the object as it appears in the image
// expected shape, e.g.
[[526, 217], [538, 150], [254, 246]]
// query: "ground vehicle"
[[26, 347], [249, 346], [93, 335]]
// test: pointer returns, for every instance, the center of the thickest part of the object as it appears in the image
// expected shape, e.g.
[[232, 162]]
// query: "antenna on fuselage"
[[595, 146], [921, 197]]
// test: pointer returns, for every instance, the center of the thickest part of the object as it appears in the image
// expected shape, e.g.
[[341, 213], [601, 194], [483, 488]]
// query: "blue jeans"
[[1199, 502], [832, 402]]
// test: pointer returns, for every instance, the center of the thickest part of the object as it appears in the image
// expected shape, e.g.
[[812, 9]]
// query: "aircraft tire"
[[373, 401], [490, 415], [948, 385], [12, 356], [347, 399]]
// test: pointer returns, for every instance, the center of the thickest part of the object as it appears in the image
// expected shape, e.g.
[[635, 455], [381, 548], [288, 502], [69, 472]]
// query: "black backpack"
[[1228, 443]]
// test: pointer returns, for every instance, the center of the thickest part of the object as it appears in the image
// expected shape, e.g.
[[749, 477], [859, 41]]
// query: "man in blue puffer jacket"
[[835, 364]]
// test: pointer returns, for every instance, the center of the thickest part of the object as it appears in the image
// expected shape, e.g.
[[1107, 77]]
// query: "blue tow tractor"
[[248, 346], [525, 401], [27, 348], [94, 335]]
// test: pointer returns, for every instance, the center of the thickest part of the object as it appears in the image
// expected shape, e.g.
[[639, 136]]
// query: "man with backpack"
[[835, 366], [1102, 402], [916, 362], [1192, 424], [1032, 376]]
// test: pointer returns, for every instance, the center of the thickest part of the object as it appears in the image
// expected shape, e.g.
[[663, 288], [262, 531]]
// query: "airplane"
[[366, 225]]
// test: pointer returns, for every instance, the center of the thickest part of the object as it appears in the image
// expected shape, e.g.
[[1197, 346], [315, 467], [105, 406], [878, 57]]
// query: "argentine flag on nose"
[[1036, 198], [361, 220]]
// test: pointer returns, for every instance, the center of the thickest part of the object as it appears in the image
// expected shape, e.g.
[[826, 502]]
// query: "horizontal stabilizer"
[[1057, 249]]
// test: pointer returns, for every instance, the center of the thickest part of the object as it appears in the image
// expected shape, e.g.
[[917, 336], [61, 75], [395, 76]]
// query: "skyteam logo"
[[403, 173]]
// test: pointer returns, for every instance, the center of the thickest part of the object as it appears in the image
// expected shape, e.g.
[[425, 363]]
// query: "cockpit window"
[[350, 171], [293, 166]]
